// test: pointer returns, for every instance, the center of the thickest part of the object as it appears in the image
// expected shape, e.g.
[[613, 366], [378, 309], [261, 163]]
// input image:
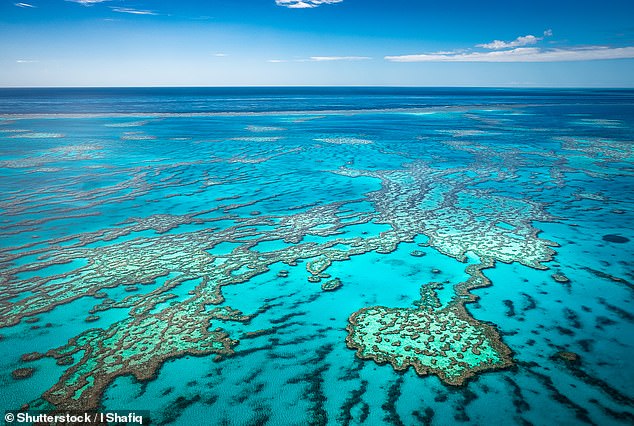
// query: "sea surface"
[[340, 256]]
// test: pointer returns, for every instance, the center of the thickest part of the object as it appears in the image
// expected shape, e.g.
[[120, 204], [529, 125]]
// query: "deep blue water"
[[160, 249], [267, 99]]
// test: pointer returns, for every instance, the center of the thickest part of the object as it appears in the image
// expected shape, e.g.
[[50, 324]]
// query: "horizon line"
[[323, 86]]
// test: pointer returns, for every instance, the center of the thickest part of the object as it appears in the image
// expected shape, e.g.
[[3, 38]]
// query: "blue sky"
[[317, 42]]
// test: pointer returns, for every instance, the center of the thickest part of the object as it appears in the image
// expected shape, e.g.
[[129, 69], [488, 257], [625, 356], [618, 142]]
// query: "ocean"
[[292, 256]]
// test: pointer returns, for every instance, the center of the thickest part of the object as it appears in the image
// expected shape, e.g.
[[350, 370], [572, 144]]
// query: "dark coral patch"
[[568, 357], [614, 238], [560, 278], [331, 285], [22, 373]]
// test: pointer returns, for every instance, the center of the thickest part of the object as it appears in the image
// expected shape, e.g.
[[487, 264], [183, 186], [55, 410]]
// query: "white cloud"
[[220, 55], [338, 58], [322, 59], [133, 11], [514, 51], [26, 61], [87, 2], [518, 42], [524, 54], [304, 4], [23, 5]]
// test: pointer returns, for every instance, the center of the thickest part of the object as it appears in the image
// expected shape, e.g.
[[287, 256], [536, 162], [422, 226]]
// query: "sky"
[[530, 43]]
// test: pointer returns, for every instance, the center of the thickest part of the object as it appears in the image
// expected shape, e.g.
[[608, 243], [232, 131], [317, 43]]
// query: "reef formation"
[[168, 272], [416, 200]]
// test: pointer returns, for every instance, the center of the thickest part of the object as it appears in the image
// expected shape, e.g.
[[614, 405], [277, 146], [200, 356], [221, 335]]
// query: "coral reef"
[[331, 285], [167, 270], [445, 341]]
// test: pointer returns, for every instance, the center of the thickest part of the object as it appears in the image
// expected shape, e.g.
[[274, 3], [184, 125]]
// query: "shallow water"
[[174, 243]]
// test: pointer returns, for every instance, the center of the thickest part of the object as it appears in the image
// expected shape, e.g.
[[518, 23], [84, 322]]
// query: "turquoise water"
[[176, 245]]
